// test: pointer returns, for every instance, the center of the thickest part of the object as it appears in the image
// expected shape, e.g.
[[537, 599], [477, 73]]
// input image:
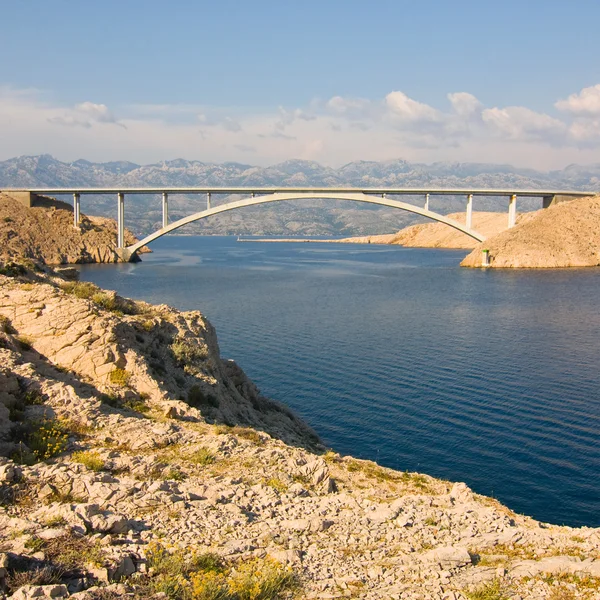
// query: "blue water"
[[400, 356]]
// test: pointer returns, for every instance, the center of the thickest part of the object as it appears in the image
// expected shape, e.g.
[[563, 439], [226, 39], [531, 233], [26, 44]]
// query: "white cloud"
[[96, 112], [85, 115], [522, 124], [353, 108], [465, 105], [335, 131], [585, 104], [407, 109]]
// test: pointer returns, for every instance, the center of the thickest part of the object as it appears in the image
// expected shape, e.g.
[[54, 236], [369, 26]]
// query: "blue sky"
[[211, 81]]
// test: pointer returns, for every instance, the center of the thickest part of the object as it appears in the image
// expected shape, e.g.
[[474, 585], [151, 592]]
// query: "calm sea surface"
[[400, 356]]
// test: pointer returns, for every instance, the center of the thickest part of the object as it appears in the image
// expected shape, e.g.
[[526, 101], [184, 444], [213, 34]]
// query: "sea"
[[400, 356]]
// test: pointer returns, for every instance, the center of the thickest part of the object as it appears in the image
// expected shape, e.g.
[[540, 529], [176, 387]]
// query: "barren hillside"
[[45, 233], [566, 235], [439, 235], [135, 462]]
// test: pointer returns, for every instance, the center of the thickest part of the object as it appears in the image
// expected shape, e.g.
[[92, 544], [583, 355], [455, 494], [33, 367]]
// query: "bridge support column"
[[76, 212], [165, 209], [512, 211], [120, 220], [426, 207], [207, 200], [469, 218]]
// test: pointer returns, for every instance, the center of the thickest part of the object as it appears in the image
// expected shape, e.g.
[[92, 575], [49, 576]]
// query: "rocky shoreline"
[[136, 462]]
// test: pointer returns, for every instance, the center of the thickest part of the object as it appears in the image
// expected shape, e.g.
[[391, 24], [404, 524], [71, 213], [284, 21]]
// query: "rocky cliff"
[[565, 235], [45, 233], [138, 463]]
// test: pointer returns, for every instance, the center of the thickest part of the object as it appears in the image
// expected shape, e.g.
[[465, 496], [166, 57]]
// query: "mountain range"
[[306, 217]]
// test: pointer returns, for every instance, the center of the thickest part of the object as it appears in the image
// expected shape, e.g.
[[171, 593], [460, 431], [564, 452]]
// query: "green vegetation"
[[136, 403], [39, 440], [69, 551], [90, 459], [246, 433], [201, 457], [494, 590], [12, 269], [80, 289], [106, 300], [197, 398], [187, 353], [187, 575], [277, 484], [119, 377], [25, 342], [174, 474], [5, 325]]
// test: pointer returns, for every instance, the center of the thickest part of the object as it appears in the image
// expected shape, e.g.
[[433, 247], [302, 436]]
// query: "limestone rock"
[[29, 592]]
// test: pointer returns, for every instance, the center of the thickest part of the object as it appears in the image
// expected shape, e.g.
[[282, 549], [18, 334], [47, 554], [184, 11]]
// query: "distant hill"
[[307, 218]]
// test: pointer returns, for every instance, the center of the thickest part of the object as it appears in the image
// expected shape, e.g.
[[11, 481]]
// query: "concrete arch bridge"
[[257, 196]]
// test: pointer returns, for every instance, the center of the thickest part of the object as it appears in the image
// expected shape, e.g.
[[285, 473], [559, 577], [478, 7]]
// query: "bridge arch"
[[130, 251]]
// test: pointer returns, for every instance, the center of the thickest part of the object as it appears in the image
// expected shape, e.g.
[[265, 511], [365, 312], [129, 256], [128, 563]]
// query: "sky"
[[333, 81]]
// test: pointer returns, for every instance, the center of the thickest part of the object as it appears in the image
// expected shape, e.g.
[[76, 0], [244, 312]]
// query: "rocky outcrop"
[[127, 438], [439, 235], [564, 235], [45, 233]]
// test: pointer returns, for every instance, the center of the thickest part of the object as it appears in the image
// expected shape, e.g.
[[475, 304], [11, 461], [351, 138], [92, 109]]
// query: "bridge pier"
[[426, 207], [512, 211], [207, 200], [120, 220], [76, 211], [165, 209], [469, 217]]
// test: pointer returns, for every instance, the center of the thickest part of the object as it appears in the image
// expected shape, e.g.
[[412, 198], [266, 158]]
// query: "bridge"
[[259, 195]]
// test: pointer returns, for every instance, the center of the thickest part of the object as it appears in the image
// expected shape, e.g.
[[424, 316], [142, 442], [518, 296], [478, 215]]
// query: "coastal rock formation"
[[45, 233], [564, 235], [138, 463], [439, 235]]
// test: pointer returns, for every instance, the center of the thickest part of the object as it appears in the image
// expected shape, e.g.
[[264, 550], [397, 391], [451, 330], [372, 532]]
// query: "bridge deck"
[[301, 190]]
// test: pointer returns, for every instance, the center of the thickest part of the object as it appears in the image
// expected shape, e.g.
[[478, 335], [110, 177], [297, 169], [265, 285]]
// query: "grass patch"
[[119, 377], [202, 457], [36, 574], [277, 484], [137, 404], [90, 459], [69, 552], [494, 590], [24, 342], [246, 433], [5, 325], [174, 474], [80, 289], [55, 522], [187, 575], [106, 300]]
